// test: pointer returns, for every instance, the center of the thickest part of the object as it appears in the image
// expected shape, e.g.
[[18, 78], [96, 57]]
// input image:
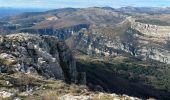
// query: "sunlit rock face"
[[141, 40], [44, 56]]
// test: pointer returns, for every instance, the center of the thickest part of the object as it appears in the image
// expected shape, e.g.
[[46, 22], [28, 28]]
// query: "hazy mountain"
[[4, 11], [148, 10]]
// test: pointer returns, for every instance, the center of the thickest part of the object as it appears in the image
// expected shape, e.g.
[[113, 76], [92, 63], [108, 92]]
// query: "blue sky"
[[82, 3]]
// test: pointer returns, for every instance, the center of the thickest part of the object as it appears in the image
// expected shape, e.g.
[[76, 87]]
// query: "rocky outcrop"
[[152, 41], [152, 30], [5, 94], [44, 56]]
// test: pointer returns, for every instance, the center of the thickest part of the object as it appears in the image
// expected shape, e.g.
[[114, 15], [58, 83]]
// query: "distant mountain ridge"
[[148, 10], [7, 11]]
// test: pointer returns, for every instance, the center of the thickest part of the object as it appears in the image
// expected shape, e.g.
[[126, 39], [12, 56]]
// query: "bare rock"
[[34, 54]]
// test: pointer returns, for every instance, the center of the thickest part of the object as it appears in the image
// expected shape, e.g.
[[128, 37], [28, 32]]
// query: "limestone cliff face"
[[43, 56], [152, 42], [138, 39]]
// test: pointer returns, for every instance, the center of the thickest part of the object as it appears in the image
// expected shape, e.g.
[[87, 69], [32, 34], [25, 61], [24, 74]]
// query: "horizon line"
[[86, 7]]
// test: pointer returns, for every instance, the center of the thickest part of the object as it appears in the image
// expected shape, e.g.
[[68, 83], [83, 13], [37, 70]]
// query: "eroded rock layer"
[[44, 56]]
